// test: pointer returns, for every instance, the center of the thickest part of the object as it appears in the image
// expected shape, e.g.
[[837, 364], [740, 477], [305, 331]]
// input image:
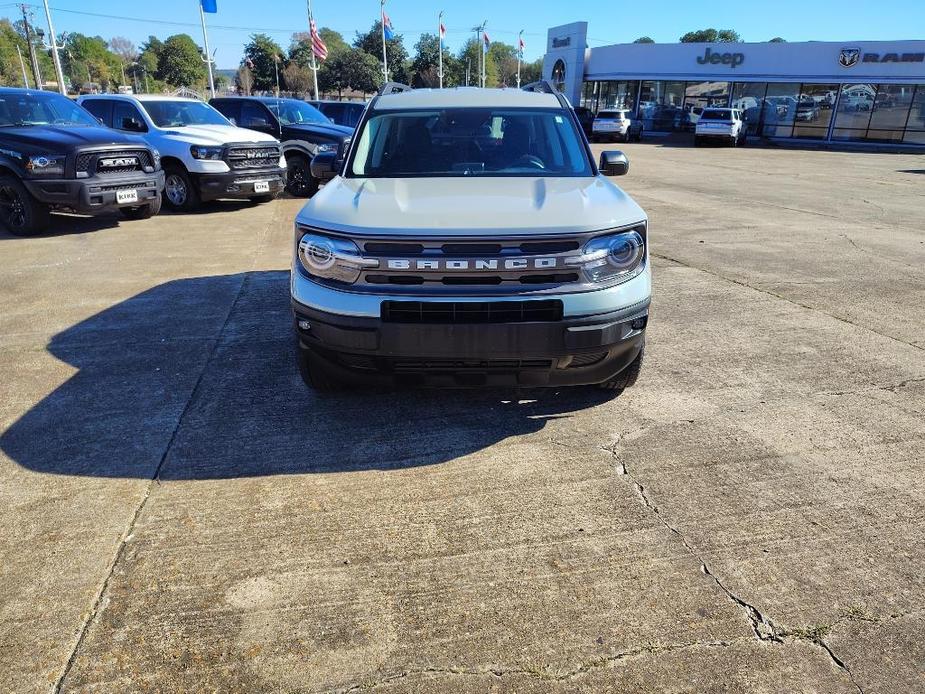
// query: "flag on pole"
[[521, 45], [318, 46], [486, 42], [442, 34], [387, 26], [209, 6]]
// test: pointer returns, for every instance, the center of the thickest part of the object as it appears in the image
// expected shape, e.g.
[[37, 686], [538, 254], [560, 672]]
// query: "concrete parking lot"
[[180, 514]]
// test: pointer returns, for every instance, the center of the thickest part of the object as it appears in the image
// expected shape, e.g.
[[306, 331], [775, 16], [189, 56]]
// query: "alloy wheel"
[[13, 208], [175, 188]]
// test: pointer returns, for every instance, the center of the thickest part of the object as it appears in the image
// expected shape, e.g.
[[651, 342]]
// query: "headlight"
[[332, 259], [157, 158], [612, 259], [199, 152], [46, 164], [326, 147]]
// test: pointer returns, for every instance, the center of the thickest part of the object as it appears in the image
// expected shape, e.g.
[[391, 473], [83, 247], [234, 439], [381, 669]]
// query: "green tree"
[[531, 72], [371, 42], [469, 60], [644, 39], [244, 80], [10, 69], [425, 66], [179, 62], [300, 50], [43, 57], [354, 69], [297, 79], [504, 57], [711, 36], [265, 56], [88, 59], [777, 39]]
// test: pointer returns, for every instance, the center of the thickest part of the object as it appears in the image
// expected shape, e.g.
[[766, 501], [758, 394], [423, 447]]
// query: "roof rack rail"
[[393, 88], [541, 87]]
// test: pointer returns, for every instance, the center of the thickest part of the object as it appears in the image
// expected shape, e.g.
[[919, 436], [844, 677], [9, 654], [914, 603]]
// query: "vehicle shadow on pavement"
[[173, 384], [68, 224]]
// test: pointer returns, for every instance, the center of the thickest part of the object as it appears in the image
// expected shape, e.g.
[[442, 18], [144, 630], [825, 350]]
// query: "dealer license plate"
[[123, 196], [261, 186]]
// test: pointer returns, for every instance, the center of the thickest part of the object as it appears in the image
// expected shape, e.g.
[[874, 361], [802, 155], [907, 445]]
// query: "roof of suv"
[[140, 97], [462, 97]]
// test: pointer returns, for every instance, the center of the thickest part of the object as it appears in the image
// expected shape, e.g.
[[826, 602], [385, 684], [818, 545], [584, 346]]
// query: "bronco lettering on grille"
[[462, 264]]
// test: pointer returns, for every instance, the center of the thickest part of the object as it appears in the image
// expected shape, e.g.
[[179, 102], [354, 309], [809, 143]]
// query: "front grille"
[[90, 162], [462, 365], [242, 158], [469, 312]]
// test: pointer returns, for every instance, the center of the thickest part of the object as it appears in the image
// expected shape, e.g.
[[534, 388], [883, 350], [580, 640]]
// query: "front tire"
[[313, 374], [299, 181], [180, 192], [143, 211], [20, 213], [626, 378]]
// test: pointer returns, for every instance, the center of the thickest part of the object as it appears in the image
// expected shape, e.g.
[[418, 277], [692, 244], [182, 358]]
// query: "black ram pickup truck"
[[54, 155], [302, 128]]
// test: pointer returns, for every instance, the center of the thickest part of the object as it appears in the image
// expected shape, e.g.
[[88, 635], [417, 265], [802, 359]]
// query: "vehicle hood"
[[214, 135], [485, 206], [52, 140], [330, 130]]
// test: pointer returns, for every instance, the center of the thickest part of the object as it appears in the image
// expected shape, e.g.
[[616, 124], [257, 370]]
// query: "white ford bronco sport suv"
[[204, 156], [467, 237]]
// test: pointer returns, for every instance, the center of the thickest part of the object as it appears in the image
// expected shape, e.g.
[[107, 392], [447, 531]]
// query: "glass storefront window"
[[701, 95], [598, 96], [748, 97], [660, 105], [855, 106], [779, 110], [915, 126], [890, 111], [814, 110]]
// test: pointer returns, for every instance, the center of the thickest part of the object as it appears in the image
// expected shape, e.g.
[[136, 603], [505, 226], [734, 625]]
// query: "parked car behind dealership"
[[616, 125], [204, 156], [721, 124], [303, 130], [346, 113], [54, 155]]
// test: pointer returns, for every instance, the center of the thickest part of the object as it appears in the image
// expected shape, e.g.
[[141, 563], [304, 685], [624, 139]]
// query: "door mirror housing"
[[614, 163], [323, 166]]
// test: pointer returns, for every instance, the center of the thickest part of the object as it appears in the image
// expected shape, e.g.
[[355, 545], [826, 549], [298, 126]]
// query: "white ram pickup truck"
[[203, 155]]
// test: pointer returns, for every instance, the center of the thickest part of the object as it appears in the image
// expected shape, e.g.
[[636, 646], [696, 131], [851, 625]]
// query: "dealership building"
[[852, 91]]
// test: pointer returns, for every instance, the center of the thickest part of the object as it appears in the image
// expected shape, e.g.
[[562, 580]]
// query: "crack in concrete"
[[499, 672], [870, 389], [745, 284], [97, 604], [763, 627]]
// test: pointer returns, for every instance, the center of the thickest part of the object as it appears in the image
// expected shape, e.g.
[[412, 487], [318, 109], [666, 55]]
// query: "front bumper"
[[571, 351], [240, 184], [95, 195]]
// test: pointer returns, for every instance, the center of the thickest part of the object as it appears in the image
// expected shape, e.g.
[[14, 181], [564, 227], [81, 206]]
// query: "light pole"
[[276, 70], [440, 47], [209, 61], [22, 64], [314, 65], [385, 57], [54, 48]]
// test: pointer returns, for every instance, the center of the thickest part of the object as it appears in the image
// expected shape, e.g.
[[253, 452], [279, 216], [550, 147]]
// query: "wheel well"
[[172, 161], [7, 171], [296, 152]]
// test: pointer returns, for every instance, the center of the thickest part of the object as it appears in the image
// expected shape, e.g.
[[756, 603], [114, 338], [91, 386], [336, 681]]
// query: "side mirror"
[[323, 166], [614, 163]]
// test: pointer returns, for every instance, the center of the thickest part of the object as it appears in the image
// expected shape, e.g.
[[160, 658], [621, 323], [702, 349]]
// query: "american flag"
[[318, 48], [486, 42], [442, 33], [521, 45]]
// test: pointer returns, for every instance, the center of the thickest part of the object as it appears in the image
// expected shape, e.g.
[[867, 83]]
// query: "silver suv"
[[467, 237]]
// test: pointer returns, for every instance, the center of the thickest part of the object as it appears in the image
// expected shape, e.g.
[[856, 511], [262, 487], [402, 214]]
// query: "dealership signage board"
[[874, 61]]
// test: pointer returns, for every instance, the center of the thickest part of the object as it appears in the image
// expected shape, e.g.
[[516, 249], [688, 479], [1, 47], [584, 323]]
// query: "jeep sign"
[[731, 59]]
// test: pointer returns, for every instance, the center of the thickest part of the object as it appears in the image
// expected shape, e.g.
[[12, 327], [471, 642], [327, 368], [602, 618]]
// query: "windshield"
[[470, 142], [716, 115], [176, 114], [296, 112], [32, 108], [612, 115]]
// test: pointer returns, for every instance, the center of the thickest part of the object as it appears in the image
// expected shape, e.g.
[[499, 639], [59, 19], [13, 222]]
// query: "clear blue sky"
[[609, 21]]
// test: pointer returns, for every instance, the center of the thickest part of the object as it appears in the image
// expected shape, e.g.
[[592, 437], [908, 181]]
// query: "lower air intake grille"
[[471, 312]]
